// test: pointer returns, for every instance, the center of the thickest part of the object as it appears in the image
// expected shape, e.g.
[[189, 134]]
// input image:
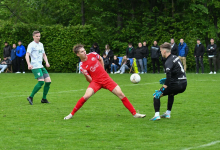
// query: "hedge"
[[59, 40]]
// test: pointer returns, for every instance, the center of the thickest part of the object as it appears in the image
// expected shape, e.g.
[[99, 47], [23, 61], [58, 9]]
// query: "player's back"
[[176, 68], [94, 67]]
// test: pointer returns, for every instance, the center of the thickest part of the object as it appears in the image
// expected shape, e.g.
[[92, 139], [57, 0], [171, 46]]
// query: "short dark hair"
[[198, 40], [144, 41], [20, 41], [104, 54], [95, 44], [129, 43], [6, 42], [77, 47], [36, 32], [166, 46]]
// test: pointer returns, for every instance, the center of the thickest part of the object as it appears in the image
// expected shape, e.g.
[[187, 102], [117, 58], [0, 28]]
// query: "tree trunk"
[[83, 13]]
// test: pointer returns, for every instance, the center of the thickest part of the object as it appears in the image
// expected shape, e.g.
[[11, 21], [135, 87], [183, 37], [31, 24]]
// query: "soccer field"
[[103, 123]]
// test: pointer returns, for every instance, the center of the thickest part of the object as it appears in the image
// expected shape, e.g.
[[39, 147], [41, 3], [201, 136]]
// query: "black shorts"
[[175, 88]]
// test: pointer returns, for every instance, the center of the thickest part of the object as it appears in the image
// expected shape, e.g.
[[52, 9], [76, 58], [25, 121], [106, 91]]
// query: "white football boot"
[[137, 115], [68, 117]]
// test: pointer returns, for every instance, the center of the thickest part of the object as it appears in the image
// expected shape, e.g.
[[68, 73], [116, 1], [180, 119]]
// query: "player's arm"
[[46, 60], [28, 60], [101, 61], [88, 77]]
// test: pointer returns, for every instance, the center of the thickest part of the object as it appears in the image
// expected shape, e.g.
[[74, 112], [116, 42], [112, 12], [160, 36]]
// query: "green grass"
[[103, 122]]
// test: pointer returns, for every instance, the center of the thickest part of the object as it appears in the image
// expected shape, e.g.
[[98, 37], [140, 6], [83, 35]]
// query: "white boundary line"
[[64, 91], [201, 146]]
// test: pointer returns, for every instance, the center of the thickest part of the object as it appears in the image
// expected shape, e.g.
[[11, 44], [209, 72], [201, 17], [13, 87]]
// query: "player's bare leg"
[[117, 91], [79, 104]]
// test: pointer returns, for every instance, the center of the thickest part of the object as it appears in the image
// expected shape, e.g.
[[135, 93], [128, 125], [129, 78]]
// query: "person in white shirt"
[[36, 51]]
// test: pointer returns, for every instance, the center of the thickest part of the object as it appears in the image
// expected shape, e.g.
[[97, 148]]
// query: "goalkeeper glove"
[[162, 81], [158, 93]]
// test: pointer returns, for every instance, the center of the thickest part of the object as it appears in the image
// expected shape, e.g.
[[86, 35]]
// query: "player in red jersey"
[[93, 69]]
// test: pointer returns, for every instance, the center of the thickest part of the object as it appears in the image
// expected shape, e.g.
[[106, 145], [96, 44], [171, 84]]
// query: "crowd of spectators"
[[141, 54], [13, 56]]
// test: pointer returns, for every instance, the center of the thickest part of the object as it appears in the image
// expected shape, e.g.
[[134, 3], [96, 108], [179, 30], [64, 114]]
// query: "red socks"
[[78, 105], [128, 105], [124, 100]]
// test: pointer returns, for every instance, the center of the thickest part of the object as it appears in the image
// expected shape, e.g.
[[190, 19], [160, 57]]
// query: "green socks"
[[46, 89], [37, 88]]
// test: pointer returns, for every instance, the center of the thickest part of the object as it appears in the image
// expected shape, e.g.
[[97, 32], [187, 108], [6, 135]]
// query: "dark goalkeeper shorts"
[[175, 88]]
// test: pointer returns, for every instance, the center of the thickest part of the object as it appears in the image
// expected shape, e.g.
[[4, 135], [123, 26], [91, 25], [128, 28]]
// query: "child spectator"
[[125, 64], [114, 64]]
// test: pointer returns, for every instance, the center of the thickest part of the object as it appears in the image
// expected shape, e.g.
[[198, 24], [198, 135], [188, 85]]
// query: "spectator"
[[125, 64], [155, 54], [95, 48], [109, 53], [145, 53], [4, 64], [114, 64], [182, 52], [20, 53], [138, 54], [13, 58], [174, 47], [198, 53], [211, 49], [106, 62], [130, 51], [7, 50]]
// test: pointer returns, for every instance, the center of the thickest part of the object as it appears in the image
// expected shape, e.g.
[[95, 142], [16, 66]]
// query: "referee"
[[174, 83]]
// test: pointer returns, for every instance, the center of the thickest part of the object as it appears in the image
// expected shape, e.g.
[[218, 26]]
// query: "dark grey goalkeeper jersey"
[[174, 70]]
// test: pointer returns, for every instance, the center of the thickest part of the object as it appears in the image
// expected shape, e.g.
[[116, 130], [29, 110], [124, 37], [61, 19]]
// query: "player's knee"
[[121, 95], [86, 97], [41, 83]]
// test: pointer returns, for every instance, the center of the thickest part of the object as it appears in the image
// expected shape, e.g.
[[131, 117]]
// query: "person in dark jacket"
[[174, 47], [198, 53], [125, 64], [182, 52], [109, 53], [145, 54], [130, 51], [4, 64], [95, 48], [7, 50], [20, 53], [139, 55], [211, 50], [114, 64], [13, 58], [106, 62], [155, 54]]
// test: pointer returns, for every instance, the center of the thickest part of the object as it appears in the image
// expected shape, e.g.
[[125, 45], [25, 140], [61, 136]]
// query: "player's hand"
[[162, 81], [47, 65], [30, 67], [83, 72], [158, 93]]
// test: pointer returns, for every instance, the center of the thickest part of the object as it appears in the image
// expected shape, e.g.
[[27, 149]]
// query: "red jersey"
[[94, 68]]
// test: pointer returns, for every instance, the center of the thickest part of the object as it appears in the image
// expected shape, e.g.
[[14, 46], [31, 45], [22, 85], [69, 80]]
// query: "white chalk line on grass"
[[64, 91], [205, 145]]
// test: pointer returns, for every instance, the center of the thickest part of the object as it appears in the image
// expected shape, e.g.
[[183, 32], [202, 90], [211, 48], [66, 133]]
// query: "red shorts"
[[106, 84]]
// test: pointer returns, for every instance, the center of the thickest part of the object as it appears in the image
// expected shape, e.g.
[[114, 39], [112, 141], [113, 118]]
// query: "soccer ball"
[[135, 78]]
